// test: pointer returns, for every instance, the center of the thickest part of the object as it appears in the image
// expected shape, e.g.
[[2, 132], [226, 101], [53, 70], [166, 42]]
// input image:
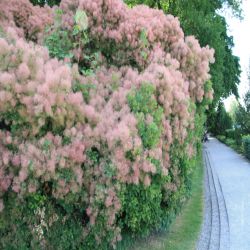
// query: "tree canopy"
[[242, 115]]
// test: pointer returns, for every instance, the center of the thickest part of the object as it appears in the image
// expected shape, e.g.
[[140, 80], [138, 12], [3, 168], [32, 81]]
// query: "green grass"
[[185, 229]]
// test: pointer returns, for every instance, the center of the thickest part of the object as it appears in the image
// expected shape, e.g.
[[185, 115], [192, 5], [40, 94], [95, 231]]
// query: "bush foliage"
[[101, 115], [246, 145]]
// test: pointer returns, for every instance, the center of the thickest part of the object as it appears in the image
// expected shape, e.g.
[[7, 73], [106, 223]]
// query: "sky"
[[240, 30]]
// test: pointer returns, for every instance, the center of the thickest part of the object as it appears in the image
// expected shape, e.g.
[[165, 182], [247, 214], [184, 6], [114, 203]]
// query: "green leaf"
[[144, 55], [81, 20], [143, 37]]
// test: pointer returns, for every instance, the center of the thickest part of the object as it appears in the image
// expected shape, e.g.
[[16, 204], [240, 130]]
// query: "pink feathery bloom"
[[88, 211], [24, 161], [79, 175], [117, 204], [146, 166], [108, 201], [90, 112], [62, 162], [23, 71], [16, 187], [5, 183], [4, 47], [6, 79], [32, 188], [51, 165], [5, 157], [16, 160], [164, 171], [8, 139], [75, 98], [61, 183], [76, 152], [23, 174], [147, 181]]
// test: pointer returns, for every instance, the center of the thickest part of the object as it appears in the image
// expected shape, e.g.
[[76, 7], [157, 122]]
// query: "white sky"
[[240, 30]]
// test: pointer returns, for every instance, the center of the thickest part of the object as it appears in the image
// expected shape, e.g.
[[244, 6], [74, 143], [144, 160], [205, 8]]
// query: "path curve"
[[226, 223]]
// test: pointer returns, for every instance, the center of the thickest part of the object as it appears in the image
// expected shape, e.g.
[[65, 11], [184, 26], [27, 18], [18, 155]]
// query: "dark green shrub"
[[246, 145], [231, 133], [234, 134], [221, 138], [221, 121], [141, 208], [230, 142]]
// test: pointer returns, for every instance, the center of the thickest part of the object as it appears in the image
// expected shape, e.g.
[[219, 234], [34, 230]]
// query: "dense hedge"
[[246, 145], [234, 134], [101, 115]]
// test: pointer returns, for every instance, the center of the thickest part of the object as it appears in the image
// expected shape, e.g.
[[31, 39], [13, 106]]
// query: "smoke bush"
[[117, 114], [29, 21]]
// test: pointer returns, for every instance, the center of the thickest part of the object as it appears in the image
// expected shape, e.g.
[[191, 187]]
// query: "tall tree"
[[222, 120], [242, 115]]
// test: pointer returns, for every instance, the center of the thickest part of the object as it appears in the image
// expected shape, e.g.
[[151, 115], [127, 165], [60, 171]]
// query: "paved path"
[[226, 222]]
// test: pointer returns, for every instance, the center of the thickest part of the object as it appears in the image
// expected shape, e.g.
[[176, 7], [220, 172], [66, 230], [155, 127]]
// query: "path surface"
[[226, 222]]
